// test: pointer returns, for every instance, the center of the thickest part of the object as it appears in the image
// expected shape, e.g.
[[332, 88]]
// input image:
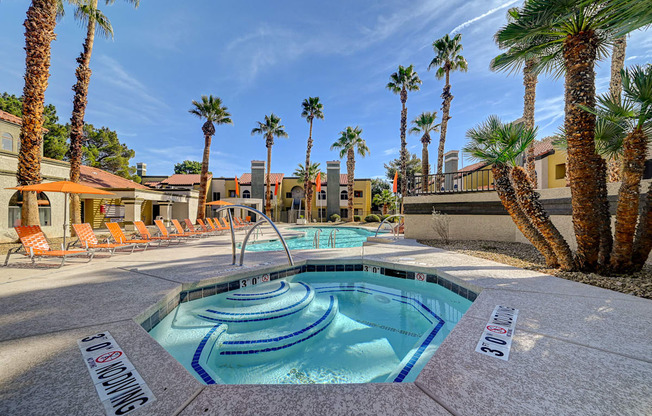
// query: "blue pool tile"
[[195, 294], [321, 268], [234, 285], [411, 275], [339, 268], [274, 276], [455, 288], [303, 268], [183, 297], [431, 278], [209, 291], [311, 268], [472, 296], [358, 268], [349, 267], [463, 292], [147, 325], [224, 287]]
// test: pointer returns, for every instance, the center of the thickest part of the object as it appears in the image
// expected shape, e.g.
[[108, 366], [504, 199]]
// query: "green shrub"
[[384, 217], [372, 218], [335, 218], [357, 218]]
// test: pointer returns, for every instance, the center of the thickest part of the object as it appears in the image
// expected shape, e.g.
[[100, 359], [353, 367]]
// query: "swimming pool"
[[345, 237], [345, 327]]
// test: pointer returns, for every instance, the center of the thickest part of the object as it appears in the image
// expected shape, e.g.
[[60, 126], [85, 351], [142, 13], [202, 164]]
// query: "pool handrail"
[[385, 220], [316, 238], [265, 218], [332, 237]]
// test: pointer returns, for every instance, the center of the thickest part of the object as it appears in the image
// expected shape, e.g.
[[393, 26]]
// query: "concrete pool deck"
[[577, 349]]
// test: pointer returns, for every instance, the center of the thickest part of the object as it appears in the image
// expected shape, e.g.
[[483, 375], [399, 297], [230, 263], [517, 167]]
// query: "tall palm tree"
[[615, 90], [385, 199], [424, 124], [95, 21], [210, 109], [271, 128], [447, 59], [570, 37], [500, 145], [348, 144], [39, 33], [310, 173], [400, 82], [311, 109]]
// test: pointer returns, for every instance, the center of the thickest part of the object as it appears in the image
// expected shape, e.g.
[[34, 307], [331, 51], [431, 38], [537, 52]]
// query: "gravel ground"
[[526, 256]]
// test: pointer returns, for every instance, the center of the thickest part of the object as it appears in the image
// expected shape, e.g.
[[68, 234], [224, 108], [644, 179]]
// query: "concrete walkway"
[[577, 349]]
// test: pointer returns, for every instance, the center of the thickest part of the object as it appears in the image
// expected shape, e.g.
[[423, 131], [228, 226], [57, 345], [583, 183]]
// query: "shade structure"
[[218, 203], [66, 187]]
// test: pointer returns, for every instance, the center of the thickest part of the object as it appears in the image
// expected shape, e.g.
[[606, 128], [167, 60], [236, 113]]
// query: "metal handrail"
[[316, 238], [244, 244], [385, 220], [332, 237]]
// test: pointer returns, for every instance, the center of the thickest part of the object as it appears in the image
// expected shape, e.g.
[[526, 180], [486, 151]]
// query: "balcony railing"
[[452, 182]]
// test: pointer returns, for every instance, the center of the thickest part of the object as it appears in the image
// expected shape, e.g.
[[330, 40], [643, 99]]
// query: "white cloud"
[[390, 151], [482, 16]]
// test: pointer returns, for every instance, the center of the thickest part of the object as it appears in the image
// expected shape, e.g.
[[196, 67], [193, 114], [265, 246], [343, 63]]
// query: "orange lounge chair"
[[165, 233], [240, 222], [217, 226], [193, 229], [87, 239], [180, 230], [208, 229], [119, 236], [146, 235], [226, 224], [35, 244]]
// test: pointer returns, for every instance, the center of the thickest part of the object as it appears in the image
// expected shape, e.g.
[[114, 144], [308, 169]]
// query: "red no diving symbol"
[[496, 329], [265, 278], [109, 356]]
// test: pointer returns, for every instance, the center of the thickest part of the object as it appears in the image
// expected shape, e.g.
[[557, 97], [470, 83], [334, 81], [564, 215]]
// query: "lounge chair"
[[165, 233], [120, 237], [217, 226], [208, 229], [35, 245], [87, 239], [193, 229], [146, 235], [184, 233], [226, 224]]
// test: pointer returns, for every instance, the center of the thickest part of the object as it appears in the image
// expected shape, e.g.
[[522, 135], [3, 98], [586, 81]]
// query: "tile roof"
[[10, 118], [543, 147], [245, 179], [473, 167], [184, 179], [98, 178]]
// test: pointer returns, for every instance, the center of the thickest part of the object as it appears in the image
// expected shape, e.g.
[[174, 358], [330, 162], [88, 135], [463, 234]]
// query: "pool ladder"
[[316, 237], [332, 237]]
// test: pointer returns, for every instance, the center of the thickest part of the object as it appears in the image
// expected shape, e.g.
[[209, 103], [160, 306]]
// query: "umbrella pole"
[[65, 219]]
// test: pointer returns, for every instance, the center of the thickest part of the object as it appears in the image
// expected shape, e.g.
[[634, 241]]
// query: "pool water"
[[346, 237], [345, 327]]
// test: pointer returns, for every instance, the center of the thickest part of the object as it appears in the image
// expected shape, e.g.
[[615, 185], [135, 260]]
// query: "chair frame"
[[29, 251]]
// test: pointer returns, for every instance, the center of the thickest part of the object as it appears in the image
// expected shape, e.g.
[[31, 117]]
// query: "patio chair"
[[36, 246], [146, 235], [163, 230], [216, 224], [208, 229], [87, 239], [226, 224], [193, 229], [119, 236], [184, 233]]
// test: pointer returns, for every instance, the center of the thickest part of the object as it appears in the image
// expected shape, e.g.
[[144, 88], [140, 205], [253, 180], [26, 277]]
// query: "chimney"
[[258, 180], [141, 169], [332, 188], [451, 159]]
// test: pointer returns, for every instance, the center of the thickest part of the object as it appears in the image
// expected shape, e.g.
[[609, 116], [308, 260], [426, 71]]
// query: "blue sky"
[[262, 57]]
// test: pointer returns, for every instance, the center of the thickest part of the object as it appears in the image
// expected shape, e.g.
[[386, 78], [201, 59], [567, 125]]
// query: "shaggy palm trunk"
[[307, 183], [208, 129], [39, 33], [530, 83], [613, 170], [579, 60], [643, 240], [634, 149], [80, 88], [350, 174], [617, 65], [404, 154], [528, 200], [606, 239], [508, 198], [446, 107], [268, 185], [385, 209], [425, 167]]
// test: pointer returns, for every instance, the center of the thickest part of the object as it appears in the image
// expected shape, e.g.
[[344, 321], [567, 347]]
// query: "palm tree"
[[425, 124], [311, 109], [39, 33], [400, 82], [95, 21], [385, 199], [499, 145], [448, 58], [615, 90], [310, 173], [348, 144], [211, 109], [569, 37], [271, 128]]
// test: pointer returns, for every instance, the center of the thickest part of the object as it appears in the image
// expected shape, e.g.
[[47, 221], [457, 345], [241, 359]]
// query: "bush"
[[372, 218], [335, 218], [441, 225], [384, 217], [357, 218]]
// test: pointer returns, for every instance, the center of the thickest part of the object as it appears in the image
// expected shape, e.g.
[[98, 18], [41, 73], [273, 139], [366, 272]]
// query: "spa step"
[[261, 293]]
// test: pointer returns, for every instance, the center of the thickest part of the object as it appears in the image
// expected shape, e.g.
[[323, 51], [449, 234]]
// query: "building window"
[[322, 213], [7, 142], [216, 196], [246, 194], [44, 210], [344, 195], [288, 195], [357, 211], [232, 194], [357, 194], [344, 213], [321, 195], [560, 171]]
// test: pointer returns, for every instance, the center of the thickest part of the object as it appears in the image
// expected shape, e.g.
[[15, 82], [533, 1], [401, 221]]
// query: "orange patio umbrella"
[[219, 203], [66, 187]]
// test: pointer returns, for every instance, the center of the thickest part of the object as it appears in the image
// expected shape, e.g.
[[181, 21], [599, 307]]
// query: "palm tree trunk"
[[80, 88], [403, 143], [306, 181], [643, 239], [613, 169], [268, 193], [39, 33], [528, 200], [617, 64], [446, 107], [530, 83], [350, 174], [634, 146], [606, 239], [425, 168], [579, 61], [203, 179], [508, 198]]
